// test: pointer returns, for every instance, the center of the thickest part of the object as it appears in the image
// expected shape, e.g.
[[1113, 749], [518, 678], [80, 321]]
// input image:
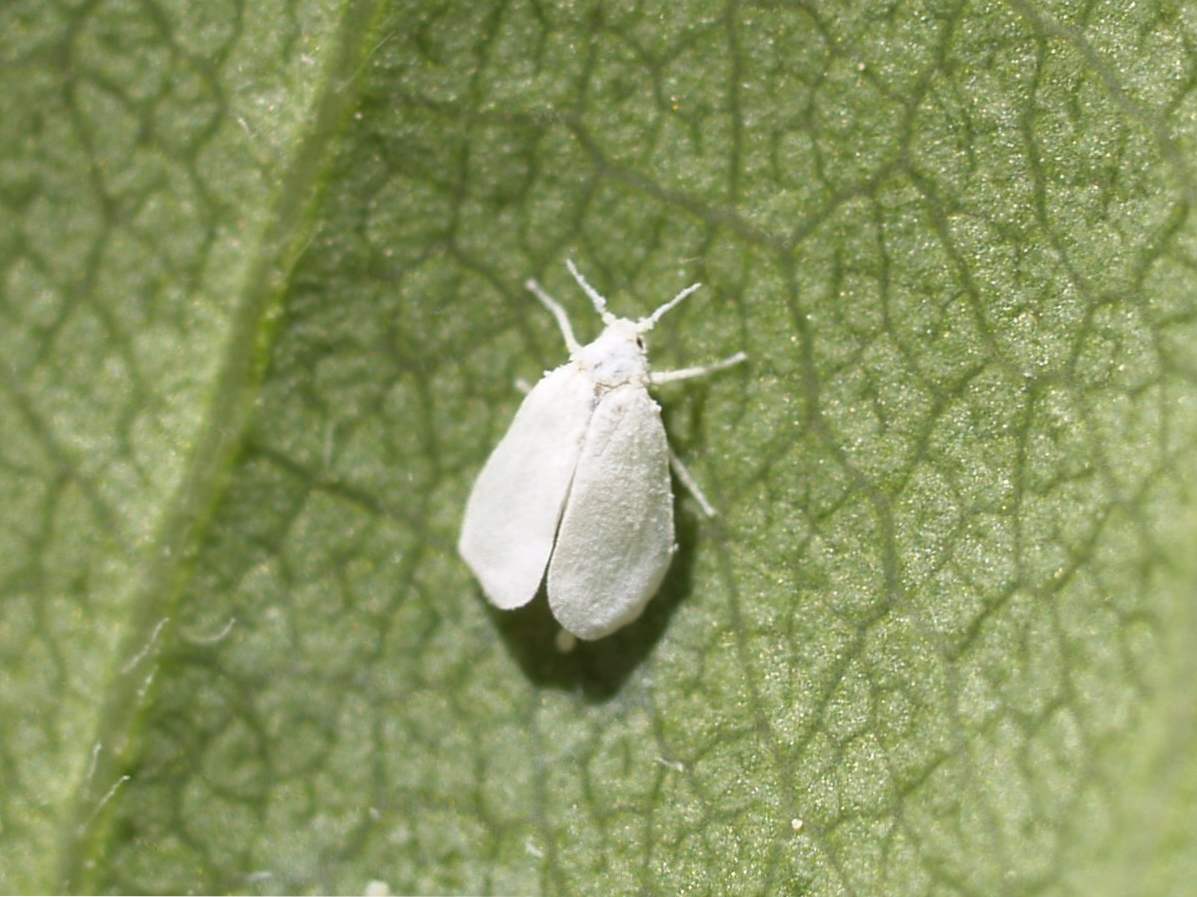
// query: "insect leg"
[[656, 378], [571, 342], [687, 479]]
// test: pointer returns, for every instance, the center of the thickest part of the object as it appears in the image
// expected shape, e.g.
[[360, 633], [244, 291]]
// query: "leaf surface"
[[260, 282]]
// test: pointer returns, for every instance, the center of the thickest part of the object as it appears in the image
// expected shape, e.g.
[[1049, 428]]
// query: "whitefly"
[[579, 485]]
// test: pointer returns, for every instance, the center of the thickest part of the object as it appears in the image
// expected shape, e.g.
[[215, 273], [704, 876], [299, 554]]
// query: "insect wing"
[[616, 535], [516, 503]]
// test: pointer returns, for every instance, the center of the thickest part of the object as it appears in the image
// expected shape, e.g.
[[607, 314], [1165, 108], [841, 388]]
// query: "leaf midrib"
[[206, 475]]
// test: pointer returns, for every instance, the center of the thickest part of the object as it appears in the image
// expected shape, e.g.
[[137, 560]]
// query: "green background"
[[260, 315]]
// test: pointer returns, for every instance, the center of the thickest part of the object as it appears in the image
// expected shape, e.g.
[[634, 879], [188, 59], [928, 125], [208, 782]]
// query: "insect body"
[[580, 482]]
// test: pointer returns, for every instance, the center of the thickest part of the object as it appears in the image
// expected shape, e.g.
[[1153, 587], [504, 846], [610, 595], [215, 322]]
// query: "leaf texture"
[[260, 284]]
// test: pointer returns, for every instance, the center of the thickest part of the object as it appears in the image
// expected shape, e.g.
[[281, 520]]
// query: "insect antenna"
[[600, 304], [646, 324]]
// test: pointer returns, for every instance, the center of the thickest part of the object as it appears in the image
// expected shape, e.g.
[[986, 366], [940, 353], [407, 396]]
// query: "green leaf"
[[260, 283]]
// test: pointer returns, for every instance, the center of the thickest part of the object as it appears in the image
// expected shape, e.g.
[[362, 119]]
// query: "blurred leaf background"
[[260, 314]]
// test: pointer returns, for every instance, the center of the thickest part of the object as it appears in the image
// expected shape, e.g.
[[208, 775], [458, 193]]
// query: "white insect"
[[580, 482]]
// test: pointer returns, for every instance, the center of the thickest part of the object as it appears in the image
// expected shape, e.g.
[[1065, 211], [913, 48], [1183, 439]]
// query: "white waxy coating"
[[512, 514], [616, 537], [585, 463], [617, 357]]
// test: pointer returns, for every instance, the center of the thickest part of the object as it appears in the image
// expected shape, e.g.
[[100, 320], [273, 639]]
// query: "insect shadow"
[[597, 668]]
